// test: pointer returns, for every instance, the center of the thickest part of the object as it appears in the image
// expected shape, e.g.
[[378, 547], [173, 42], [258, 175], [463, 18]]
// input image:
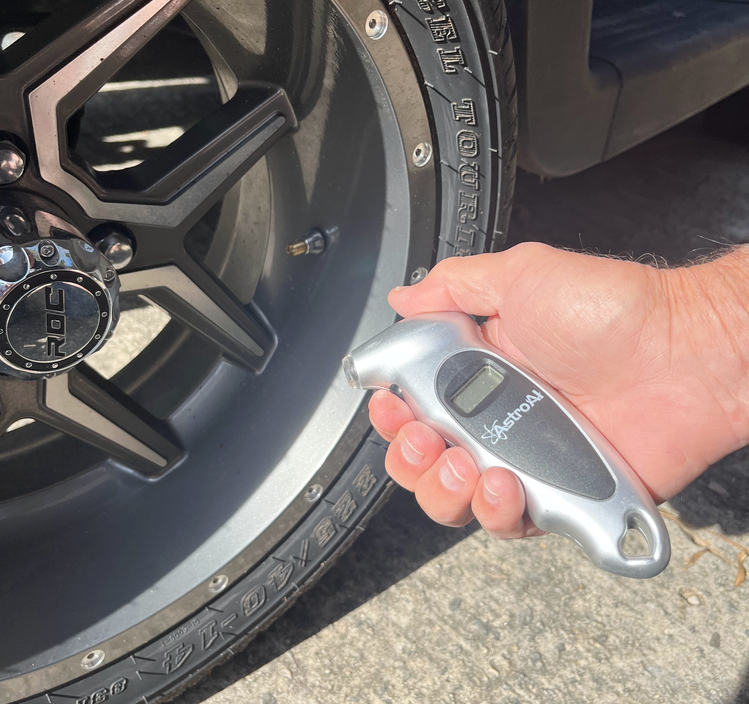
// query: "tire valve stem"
[[313, 243]]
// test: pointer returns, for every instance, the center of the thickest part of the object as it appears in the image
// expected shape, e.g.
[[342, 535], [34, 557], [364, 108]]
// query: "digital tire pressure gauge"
[[576, 484]]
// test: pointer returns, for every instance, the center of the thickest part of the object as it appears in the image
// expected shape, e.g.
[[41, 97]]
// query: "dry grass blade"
[[689, 531], [696, 556], [741, 573], [730, 541]]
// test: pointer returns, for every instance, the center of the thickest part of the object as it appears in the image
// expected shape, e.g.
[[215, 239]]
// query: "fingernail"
[[410, 453], [449, 476], [399, 288], [491, 497]]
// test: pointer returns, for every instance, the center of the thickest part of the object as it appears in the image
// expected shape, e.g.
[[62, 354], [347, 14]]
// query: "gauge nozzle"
[[349, 369]]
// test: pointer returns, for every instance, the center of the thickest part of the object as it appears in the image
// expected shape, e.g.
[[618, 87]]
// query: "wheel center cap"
[[56, 305], [56, 320]]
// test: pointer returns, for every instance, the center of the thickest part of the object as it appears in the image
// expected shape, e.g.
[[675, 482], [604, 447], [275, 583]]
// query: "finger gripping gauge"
[[576, 484]]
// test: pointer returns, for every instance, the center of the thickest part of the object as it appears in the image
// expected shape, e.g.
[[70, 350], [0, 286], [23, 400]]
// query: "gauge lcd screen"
[[473, 393]]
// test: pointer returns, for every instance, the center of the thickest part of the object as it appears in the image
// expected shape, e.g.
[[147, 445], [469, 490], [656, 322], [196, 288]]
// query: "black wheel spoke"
[[192, 295], [18, 400], [67, 58], [187, 176], [62, 35], [226, 142], [92, 409]]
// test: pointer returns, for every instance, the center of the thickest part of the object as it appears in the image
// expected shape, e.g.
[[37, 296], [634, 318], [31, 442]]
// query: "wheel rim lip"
[[400, 219]]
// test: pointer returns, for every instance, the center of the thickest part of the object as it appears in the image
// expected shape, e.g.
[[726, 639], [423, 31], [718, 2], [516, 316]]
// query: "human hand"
[[654, 358]]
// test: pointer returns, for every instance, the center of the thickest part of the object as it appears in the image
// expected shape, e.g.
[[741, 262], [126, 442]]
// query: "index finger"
[[388, 414], [474, 285]]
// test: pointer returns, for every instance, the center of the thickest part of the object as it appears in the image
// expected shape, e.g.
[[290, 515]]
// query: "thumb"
[[475, 285]]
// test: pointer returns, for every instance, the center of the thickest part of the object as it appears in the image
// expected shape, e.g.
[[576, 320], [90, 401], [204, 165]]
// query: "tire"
[[452, 44]]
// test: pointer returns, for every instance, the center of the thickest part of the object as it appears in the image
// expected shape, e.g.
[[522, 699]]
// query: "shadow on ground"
[[742, 696], [719, 496]]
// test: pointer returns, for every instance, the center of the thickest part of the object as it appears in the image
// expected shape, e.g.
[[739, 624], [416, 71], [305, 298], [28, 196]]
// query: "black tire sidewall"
[[463, 50]]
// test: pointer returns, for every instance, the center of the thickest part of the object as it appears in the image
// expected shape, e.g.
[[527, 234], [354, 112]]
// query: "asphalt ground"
[[416, 612]]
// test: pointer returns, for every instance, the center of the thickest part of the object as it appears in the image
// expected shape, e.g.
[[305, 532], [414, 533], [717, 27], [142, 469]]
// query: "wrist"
[[709, 306]]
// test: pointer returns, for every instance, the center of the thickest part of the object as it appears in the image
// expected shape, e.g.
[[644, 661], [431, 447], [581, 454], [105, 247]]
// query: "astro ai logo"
[[498, 431]]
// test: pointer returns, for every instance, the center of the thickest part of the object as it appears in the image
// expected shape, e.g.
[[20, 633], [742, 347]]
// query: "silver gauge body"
[[576, 484]]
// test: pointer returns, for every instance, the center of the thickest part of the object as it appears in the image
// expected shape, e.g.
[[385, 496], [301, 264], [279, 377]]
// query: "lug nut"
[[14, 221], [117, 248], [47, 250], [12, 163], [14, 264], [313, 243]]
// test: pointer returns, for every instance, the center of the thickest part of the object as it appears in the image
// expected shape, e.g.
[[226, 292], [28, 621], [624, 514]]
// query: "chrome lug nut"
[[313, 243], [12, 163], [14, 221], [117, 248], [14, 264]]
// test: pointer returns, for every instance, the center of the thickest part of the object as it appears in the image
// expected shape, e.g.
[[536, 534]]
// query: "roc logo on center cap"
[[53, 320], [55, 307]]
